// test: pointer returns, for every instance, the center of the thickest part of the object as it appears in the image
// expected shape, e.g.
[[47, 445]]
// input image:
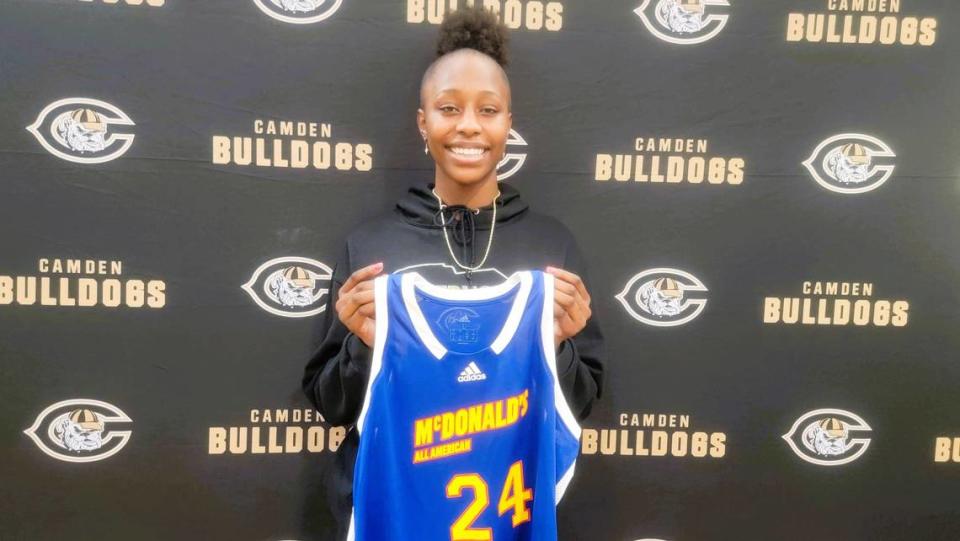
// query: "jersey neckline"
[[411, 281]]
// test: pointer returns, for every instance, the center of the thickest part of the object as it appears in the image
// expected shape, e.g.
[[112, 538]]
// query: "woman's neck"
[[473, 196]]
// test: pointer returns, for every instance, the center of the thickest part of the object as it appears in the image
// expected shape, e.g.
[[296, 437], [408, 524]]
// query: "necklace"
[[493, 224]]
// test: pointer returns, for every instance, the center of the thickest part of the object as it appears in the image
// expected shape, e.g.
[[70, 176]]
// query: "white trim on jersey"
[[351, 535], [411, 281], [516, 312], [550, 353], [379, 342]]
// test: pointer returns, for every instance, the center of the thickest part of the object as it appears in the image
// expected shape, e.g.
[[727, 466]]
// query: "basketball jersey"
[[464, 432]]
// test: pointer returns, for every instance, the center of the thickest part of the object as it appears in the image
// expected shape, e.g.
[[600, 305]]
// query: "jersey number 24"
[[513, 497]]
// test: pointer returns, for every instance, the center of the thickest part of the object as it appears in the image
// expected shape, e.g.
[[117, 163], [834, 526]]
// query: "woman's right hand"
[[355, 303]]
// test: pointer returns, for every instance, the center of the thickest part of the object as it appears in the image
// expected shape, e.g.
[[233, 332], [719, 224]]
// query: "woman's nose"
[[468, 123]]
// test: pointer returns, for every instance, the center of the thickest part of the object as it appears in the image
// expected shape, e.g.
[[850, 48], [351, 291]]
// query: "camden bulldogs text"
[[81, 283], [861, 22], [526, 14], [670, 160], [836, 303], [290, 144]]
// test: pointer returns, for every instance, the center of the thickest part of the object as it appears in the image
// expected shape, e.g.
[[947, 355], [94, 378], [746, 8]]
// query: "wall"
[[770, 153]]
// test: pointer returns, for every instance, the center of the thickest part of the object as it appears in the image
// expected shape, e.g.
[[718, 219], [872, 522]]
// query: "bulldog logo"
[[829, 437], [80, 430], [663, 297], [299, 11], [851, 163], [290, 286], [83, 130], [512, 161], [683, 22]]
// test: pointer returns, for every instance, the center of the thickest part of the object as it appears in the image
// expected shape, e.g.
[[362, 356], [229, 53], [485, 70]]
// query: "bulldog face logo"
[[829, 437], [683, 22], [299, 11], [80, 430], [290, 286], [851, 163], [513, 160], [83, 130], [663, 297]]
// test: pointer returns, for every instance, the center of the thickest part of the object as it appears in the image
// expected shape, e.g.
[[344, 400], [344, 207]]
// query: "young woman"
[[463, 229]]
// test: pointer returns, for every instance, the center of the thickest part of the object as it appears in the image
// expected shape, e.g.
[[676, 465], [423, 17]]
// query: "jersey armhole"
[[550, 354], [381, 319]]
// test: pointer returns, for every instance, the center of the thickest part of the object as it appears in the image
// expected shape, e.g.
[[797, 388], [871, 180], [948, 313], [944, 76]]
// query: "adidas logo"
[[471, 373]]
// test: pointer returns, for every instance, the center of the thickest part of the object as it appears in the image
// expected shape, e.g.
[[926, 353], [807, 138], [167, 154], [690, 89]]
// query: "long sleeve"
[[581, 360], [335, 377]]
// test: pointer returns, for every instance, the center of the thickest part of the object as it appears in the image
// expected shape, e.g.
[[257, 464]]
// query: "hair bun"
[[473, 27]]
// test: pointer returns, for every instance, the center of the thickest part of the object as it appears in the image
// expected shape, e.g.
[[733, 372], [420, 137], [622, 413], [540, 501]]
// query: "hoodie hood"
[[419, 207]]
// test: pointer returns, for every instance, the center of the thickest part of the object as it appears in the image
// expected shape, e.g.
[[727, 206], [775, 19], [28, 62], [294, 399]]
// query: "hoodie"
[[411, 237]]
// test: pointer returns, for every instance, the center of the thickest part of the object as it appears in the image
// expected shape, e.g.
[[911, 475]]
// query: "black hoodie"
[[411, 237]]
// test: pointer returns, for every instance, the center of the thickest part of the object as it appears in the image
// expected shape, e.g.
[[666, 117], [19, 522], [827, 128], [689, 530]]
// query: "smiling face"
[[465, 115]]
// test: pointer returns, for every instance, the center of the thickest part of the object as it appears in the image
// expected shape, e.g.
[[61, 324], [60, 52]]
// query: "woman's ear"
[[421, 122]]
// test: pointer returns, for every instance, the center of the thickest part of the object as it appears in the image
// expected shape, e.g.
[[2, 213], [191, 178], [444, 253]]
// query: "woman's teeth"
[[467, 151]]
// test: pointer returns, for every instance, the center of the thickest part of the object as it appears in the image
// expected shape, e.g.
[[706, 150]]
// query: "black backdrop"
[[187, 231]]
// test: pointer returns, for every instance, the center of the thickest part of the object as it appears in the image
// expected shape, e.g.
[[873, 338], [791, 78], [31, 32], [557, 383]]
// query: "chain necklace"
[[447, 239]]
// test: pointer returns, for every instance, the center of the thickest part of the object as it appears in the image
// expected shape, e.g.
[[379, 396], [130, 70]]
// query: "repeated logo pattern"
[[664, 166]]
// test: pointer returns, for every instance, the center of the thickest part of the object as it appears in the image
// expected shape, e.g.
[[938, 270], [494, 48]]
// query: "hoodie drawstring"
[[462, 221]]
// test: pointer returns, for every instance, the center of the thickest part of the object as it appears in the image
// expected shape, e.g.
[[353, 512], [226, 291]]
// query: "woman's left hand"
[[571, 305]]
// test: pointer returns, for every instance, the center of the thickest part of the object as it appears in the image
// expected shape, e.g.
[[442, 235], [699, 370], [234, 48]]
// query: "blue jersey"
[[464, 432]]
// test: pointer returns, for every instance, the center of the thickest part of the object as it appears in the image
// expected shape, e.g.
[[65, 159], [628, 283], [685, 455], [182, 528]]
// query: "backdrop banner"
[[766, 193]]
